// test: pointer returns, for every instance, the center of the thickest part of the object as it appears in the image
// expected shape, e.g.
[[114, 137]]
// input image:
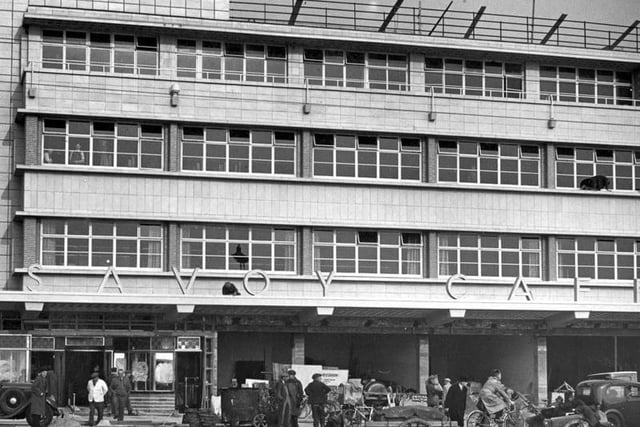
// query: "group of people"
[[452, 396], [290, 395], [116, 393]]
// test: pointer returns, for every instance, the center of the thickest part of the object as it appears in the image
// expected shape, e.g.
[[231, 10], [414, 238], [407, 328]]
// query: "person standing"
[[446, 385], [317, 392], [296, 394], [38, 392], [112, 399], [129, 377], [97, 391], [282, 394], [456, 401], [434, 391]]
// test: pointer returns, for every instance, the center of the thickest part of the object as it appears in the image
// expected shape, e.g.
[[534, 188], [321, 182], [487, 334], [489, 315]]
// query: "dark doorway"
[[188, 380], [78, 367]]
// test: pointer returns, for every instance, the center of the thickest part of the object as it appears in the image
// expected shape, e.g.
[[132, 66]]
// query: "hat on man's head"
[[95, 374], [41, 369], [314, 376], [291, 372]]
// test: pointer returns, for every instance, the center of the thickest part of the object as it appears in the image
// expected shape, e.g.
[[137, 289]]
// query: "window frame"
[[500, 250], [251, 241], [138, 47], [501, 159], [405, 167], [93, 138], [359, 260], [465, 72], [581, 80], [367, 67], [276, 144], [92, 239]]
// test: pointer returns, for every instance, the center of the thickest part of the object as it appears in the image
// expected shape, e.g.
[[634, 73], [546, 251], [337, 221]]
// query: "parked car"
[[15, 403], [619, 399]]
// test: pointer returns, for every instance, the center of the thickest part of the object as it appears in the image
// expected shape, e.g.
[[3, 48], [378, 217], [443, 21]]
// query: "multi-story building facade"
[[396, 202]]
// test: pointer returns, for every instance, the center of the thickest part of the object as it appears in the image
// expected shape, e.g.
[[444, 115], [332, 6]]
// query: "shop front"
[[161, 365]]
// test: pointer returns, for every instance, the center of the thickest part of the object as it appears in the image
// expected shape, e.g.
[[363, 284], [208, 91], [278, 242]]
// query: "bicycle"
[[356, 415]]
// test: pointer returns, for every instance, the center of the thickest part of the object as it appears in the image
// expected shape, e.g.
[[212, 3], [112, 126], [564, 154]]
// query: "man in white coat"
[[97, 389]]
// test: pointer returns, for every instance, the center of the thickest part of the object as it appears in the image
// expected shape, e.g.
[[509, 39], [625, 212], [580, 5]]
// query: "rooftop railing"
[[409, 18]]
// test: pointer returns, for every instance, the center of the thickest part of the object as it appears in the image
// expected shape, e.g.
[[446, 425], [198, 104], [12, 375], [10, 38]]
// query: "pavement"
[[80, 418]]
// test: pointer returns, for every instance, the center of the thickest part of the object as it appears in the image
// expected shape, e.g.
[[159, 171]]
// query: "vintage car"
[[619, 399], [15, 403]]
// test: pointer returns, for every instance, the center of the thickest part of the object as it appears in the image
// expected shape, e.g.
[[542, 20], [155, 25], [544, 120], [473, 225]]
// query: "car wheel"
[[615, 420], [11, 400]]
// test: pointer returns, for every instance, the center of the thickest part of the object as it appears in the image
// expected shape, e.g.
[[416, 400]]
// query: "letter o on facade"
[[245, 281]]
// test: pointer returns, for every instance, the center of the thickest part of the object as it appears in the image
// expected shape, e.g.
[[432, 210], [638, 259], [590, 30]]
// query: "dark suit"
[[456, 402], [37, 409]]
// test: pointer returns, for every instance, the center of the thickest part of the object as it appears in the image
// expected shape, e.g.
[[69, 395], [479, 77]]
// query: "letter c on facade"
[[450, 285]]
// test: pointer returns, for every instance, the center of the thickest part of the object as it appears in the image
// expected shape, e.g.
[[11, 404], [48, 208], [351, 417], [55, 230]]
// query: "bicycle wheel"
[[350, 418], [332, 407], [478, 418], [305, 411]]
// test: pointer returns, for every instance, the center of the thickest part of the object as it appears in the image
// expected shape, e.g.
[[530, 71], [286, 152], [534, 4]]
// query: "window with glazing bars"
[[99, 52], [83, 243], [598, 258], [475, 78], [366, 156], [586, 85], [238, 150], [238, 247], [368, 252], [104, 144], [231, 61], [356, 69], [621, 166], [483, 255], [488, 163]]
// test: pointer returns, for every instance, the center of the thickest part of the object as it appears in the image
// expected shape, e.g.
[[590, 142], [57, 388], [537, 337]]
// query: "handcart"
[[248, 406]]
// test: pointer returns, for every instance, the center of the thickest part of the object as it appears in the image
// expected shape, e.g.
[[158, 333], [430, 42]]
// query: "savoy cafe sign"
[[518, 288]]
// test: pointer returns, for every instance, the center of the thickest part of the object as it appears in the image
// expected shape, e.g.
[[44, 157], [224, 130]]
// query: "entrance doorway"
[[188, 380], [79, 364]]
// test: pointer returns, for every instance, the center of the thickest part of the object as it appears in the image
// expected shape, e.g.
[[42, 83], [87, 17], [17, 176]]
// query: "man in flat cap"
[[294, 386], [317, 392], [97, 390]]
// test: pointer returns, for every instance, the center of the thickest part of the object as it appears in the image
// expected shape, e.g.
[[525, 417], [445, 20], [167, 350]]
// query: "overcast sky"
[[621, 12]]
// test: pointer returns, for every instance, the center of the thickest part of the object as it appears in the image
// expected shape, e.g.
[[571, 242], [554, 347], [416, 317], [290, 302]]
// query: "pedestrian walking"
[[38, 394], [317, 392], [456, 401], [97, 391], [120, 388], [296, 395]]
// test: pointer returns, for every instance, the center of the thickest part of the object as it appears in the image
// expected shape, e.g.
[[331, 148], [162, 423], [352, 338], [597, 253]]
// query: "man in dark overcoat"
[[456, 401], [38, 395]]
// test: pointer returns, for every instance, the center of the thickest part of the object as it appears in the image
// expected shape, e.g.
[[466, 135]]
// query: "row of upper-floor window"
[[217, 60], [341, 155], [83, 243]]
